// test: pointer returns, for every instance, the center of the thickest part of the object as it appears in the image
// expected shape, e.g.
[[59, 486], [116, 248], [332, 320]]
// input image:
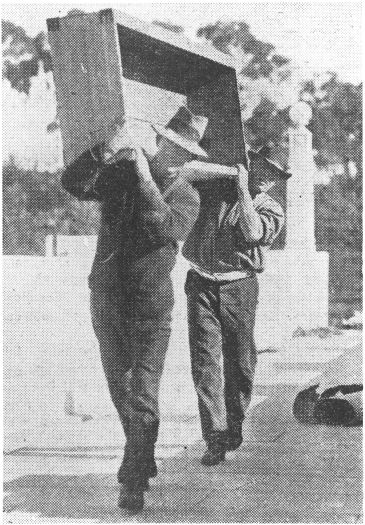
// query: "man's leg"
[[238, 303], [149, 340], [110, 330], [206, 350]]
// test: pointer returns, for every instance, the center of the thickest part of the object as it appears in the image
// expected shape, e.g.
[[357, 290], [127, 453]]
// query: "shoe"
[[233, 443], [131, 500], [213, 456]]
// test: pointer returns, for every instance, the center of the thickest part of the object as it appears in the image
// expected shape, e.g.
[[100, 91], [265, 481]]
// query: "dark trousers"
[[133, 347], [221, 319]]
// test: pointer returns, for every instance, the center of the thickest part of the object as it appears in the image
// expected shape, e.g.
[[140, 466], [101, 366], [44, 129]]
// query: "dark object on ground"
[[332, 411], [336, 397], [336, 406], [303, 408]]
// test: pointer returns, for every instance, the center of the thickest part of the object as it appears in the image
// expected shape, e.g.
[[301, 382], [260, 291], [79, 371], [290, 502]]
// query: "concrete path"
[[283, 472]]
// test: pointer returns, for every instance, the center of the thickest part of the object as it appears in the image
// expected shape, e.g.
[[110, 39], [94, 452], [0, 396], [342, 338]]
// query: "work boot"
[[131, 499], [214, 455]]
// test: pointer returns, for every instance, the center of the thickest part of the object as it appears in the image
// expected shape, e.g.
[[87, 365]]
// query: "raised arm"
[[259, 225], [249, 219]]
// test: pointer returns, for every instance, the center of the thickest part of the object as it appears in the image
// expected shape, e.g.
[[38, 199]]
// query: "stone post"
[[51, 239], [300, 188], [294, 285], [306, 284], [49, 246]]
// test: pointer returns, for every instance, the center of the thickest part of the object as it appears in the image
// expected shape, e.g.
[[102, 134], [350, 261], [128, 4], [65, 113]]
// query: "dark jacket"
[[141, 224], [217, 244]]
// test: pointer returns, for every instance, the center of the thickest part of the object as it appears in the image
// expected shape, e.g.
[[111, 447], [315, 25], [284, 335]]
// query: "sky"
[[317, 36]]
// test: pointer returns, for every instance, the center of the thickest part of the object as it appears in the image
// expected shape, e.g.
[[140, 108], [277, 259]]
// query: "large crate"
[[109, 67]]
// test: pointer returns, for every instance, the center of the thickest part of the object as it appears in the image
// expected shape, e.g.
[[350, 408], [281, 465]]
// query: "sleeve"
[[171, 218], [272, 219], [79, 177]]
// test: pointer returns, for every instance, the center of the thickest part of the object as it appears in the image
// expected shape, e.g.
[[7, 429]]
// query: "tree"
[[337, 120], [22, 55], [258, 57], [35, 204]]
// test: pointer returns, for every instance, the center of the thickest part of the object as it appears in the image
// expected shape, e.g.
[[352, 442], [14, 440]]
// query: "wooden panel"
[[158, 63], [219, 101], [87, 71], [150, 103], [178, 41]]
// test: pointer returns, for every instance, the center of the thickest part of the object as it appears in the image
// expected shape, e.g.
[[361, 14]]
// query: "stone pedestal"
[[293, 293]]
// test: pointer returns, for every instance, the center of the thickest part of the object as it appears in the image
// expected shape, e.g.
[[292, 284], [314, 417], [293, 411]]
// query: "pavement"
[[62, 468], [284, 472]]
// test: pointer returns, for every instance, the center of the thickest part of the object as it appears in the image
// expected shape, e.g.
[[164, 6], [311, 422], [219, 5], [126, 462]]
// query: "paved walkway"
[[283, 472]]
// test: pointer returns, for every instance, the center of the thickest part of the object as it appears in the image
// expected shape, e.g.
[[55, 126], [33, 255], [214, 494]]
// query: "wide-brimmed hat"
[[186, 130], [262, 155]]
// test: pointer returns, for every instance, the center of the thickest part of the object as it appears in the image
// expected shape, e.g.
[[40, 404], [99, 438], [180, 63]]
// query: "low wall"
[[293, 287]]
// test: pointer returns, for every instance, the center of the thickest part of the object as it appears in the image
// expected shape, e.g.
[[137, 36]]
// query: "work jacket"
[[141, 224], [217, 244]]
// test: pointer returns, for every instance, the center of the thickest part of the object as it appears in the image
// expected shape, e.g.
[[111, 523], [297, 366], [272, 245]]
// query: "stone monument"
[[294, 287]]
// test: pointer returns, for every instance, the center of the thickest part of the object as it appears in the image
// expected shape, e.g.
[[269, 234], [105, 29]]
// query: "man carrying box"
[[237, 224], [145, 211]]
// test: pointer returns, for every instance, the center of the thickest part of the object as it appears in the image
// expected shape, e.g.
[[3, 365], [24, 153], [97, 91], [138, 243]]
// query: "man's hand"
[[142, 166], [119, 145], [242, 177]]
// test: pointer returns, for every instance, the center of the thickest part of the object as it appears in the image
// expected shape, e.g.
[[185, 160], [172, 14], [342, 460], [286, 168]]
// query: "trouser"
[[133, 351], [221, 318]]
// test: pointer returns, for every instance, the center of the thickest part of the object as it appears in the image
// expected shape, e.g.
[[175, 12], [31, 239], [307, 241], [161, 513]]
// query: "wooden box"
[[109, 67]]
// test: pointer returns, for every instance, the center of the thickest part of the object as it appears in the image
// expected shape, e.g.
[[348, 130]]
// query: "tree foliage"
[[260, 57], [22, 55], [34, 205], [336, 122]]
